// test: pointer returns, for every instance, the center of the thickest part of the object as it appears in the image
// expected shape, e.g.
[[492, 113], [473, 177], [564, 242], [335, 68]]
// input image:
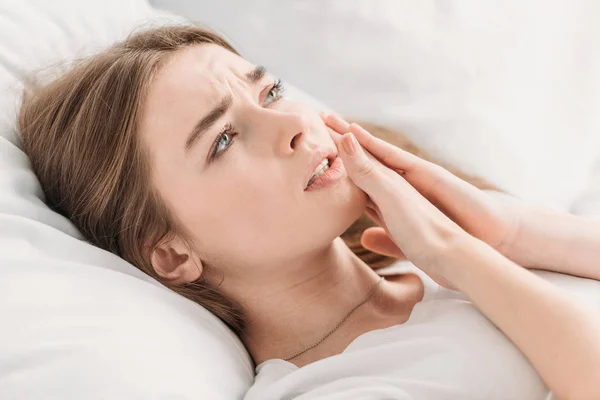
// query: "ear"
[[175, 262]]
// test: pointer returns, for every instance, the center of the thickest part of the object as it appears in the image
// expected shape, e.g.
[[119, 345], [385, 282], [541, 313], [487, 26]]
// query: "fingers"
[[363, 171], [375, 239], [387, 153], [431, 180], [381, 184]]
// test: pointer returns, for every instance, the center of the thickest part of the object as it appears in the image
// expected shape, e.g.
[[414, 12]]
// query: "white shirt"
[[446, 350]]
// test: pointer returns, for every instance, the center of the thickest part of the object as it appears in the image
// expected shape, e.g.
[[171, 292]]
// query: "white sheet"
[[588, 203], [447, 350]]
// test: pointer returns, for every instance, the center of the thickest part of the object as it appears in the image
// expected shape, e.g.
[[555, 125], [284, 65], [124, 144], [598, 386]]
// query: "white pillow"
[[509, 90], [588, 204], [79, 322]]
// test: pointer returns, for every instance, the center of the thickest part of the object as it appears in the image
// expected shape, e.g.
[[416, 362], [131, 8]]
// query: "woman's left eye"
[[274, 94]]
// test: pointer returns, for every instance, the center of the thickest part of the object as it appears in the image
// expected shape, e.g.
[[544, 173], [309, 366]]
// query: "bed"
[[79, 322]]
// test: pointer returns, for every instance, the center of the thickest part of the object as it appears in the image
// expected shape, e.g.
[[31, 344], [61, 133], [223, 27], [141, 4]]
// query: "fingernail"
[[339, 120], [322, 114], [350, 143]]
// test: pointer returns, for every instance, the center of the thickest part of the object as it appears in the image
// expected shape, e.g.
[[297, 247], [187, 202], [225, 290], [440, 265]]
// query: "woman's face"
[[239, 187]]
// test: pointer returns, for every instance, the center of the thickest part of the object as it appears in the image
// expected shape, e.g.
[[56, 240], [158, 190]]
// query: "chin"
[[337, 212], [348, 206]]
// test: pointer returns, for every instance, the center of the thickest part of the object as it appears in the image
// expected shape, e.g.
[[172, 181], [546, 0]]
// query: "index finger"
[[388, 154], [337, 138]]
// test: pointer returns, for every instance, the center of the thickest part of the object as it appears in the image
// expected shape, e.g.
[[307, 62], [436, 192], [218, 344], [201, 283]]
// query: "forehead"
[[201, 72], [190, 83]]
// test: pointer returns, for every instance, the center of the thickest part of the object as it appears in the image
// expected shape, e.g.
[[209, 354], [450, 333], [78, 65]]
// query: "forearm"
[[560, 337], [556, 241]]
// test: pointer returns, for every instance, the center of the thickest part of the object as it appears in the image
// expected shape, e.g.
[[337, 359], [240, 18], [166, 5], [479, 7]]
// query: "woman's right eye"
[[275, 93], [228, 131]]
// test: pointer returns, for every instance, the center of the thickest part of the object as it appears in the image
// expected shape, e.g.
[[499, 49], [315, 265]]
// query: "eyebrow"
[[252, 77]]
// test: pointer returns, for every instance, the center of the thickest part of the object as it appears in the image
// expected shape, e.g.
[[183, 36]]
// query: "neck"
[[296, 308]]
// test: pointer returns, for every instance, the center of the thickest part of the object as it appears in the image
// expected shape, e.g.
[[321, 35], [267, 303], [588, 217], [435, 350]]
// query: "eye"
[[227, 133], [226, 136], [275, 93]]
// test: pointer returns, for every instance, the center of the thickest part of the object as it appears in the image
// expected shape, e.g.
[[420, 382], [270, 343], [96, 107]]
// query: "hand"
[[483, 216], [415, 227]]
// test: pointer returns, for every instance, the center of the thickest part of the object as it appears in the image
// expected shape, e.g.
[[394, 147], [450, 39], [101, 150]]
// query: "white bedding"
[[588, 203], [78, 322], [446, 350]]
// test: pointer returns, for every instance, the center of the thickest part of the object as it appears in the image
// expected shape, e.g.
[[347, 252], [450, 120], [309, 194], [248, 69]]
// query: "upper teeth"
[[319, 170]]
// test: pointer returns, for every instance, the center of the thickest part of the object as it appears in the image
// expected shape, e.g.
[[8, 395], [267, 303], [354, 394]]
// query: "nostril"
[[293, 143]]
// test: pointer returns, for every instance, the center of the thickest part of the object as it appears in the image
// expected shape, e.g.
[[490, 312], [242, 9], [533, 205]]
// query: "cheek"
[[253, 217], [241, 227], [348, 203], [229, 216], [243, 222]]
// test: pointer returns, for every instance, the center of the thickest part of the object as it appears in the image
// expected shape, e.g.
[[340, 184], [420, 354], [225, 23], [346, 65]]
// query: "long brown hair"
[[80, 132]]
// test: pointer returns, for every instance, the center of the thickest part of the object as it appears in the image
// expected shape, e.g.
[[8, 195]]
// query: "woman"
[[175, 153]]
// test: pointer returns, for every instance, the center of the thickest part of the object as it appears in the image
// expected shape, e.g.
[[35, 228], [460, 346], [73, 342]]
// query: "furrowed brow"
[[205, 123], [252, 77]]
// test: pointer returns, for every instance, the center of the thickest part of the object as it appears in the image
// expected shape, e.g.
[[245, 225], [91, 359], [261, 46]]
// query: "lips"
[[319, 155]]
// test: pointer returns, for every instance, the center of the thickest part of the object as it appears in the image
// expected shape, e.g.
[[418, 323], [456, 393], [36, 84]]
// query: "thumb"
[[378, 241], [361, 169]]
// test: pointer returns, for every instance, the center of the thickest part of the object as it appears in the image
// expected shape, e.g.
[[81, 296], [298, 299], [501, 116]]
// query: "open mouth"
[[319, 170]]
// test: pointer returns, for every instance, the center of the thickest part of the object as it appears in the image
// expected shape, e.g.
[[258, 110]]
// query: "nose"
[[287, 128], [294, 128]]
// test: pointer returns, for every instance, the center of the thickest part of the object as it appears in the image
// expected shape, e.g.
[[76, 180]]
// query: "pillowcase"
[[79, 322], [505, 90]]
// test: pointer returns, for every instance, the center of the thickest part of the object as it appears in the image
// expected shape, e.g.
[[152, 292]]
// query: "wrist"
[[515, 246], [458, 255], [530, 245], [468, 260]]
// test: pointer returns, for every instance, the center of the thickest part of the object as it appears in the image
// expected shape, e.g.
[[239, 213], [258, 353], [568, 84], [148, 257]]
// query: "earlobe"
[[176, 263]]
